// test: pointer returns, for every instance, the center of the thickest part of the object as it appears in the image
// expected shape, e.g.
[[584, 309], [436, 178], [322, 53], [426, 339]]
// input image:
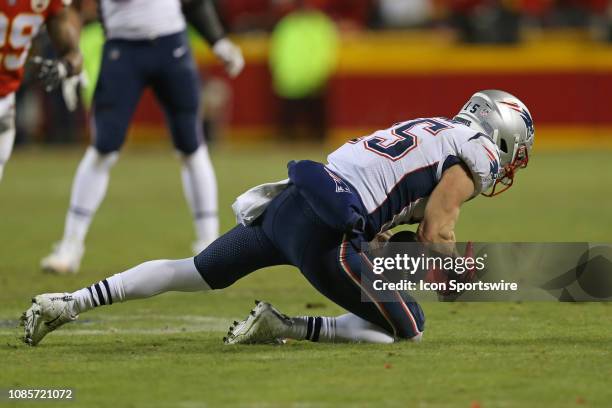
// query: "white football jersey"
[[141, 19], [395, 170]]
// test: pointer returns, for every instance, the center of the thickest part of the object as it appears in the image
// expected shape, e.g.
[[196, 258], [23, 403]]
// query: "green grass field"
[[167, 351]]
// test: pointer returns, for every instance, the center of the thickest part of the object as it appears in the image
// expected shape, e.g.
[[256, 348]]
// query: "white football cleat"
[[65, 258], [48, 312], [264, 325]]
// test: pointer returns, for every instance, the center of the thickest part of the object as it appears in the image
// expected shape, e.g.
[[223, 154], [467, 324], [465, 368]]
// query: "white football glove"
[[70, 90], [50, 72], [231, 56]]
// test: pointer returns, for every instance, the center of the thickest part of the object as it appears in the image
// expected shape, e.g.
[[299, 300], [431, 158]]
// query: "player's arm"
[[442, 210], [64, 30], [202, 16]]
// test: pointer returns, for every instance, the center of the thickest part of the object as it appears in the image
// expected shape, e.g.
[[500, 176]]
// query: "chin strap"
[[506, 178]]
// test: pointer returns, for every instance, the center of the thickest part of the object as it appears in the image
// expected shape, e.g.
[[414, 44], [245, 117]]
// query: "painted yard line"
[[195, 324], [115, 331]]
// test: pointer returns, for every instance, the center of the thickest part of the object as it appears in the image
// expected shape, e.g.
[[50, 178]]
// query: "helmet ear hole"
[[503, 146]]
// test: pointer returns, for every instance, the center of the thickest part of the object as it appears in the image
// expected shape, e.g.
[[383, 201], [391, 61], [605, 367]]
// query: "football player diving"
[[418, 171]]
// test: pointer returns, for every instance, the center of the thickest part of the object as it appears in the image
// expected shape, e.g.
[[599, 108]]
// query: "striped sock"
[[105, 292], [342, 329], [313, 328]]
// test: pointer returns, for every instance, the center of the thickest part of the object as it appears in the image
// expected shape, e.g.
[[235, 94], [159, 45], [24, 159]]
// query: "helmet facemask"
[[505, 179]]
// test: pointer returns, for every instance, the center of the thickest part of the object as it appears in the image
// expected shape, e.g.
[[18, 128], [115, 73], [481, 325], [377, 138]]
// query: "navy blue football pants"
[[128, 67], [290, 233]]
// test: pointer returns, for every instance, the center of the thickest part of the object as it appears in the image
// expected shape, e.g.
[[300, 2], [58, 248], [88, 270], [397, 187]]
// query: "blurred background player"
[[20, 22], [146, 46], [419, 171]]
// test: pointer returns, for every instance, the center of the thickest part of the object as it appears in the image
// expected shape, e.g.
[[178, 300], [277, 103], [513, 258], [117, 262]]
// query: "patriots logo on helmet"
[[528, 121], [524, 115]]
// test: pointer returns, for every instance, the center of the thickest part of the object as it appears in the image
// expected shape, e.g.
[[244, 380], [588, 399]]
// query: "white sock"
[[200, 186], [145, 280], [88, 191], [7, 139], [342, 329]]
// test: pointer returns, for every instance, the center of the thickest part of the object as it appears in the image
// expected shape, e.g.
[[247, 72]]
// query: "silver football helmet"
[[507, 121]]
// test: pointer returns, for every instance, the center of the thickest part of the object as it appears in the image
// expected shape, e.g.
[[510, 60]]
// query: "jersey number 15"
[[400, 141]]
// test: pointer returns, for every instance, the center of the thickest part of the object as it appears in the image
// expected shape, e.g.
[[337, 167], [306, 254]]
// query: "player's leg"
[[335, 271], [7, 129], [235, 254], [116, 96], [266, 324], [52, 310], [342, 276], [200, 188], [177, 86]]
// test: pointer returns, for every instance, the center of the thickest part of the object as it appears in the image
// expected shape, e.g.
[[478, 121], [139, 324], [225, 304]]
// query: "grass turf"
[[167, 351]]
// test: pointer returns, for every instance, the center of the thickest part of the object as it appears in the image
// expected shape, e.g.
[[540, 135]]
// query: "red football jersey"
[[20, 21]]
